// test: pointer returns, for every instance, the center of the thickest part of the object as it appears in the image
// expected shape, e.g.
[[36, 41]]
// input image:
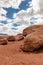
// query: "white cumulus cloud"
[[3, 14], [10, 3], [24, 16], [2, 11], [35, 11]]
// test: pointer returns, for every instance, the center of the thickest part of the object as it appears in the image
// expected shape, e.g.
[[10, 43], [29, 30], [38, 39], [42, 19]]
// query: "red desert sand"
[[13, 53]]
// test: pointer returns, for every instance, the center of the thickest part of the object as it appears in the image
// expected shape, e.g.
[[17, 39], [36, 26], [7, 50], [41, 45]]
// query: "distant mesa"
[[1, 34]]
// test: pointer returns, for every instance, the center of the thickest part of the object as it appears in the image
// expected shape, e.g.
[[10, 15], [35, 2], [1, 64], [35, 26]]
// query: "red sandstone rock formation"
[[19, 37], [11, 54], [24, 34], [32, 29], [11, 38], [3, 42], [33, 40]]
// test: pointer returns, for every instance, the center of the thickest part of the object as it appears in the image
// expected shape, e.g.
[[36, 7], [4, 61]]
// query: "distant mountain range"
[[2, 34]]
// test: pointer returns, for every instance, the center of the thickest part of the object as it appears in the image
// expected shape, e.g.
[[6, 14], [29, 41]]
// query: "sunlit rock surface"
[[34, 38]]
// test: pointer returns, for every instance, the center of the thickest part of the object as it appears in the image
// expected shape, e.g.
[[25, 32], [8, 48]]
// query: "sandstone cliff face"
[[34, 38]]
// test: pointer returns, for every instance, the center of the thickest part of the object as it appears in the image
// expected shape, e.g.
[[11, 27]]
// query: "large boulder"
[[32, 29], [33, 41], [3, 42], [24, 34], [19, 37], [11, 38]]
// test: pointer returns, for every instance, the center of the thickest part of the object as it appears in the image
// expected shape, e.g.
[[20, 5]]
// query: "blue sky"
[[16, 15], [6, 16], [23, 6]]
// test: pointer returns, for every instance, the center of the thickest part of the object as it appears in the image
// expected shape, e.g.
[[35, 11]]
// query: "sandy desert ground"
[[11, 54]]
